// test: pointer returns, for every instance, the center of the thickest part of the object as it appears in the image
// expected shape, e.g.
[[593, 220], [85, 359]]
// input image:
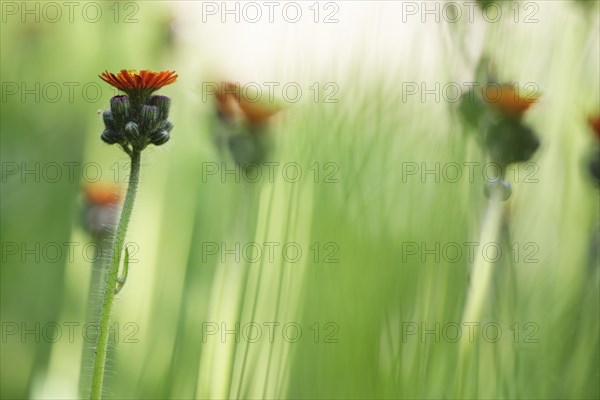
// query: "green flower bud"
[[510, 141], [109, 136], [109, 120], [121, 108], [149, 117], [163, 103], [166, 125], [132, 131], [159, 137]]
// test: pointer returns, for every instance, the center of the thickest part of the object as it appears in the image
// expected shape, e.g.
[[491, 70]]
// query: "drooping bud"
[[132, 131], [121, 108], [163, 103]]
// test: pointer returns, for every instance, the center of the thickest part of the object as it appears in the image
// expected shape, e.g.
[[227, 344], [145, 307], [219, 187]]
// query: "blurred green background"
[[354, 313]]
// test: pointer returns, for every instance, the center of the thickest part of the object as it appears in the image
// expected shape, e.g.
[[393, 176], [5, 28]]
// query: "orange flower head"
[[132, 81], [102, 194], [231, 102], [257, 113], [594, 123], [506, 99]]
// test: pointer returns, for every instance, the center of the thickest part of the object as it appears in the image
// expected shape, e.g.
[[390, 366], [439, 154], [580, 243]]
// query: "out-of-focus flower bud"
[[509, 141]]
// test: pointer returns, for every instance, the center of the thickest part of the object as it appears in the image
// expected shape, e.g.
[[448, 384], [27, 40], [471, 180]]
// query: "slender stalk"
[[111, 279], [481, 277], [91, 311], [482, 269]]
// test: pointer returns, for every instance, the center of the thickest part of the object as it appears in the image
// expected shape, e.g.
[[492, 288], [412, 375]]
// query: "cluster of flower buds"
[[508, 139], [137, 125], [496, 113], [139, 118]]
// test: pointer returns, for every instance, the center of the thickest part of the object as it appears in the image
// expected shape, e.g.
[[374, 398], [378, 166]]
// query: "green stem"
[[481, 277], [111, 279]]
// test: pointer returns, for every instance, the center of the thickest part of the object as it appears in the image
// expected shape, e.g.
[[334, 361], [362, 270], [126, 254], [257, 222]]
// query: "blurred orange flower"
[[256, 113], [506, 99], [231, 102], [146, 81], [594, 123], [101, 194]]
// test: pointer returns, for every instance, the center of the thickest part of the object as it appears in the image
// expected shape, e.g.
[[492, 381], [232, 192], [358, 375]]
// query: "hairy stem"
[[480, 281], [111, 279]]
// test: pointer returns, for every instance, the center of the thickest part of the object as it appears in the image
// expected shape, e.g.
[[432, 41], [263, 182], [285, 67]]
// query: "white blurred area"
[[371, 37]]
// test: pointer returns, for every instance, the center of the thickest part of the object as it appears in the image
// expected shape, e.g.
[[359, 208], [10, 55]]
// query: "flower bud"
[[159, 137], [132, 131], [120, 107], [109, 120], [510, 141], [109, 136], [163, 103], [166, 125], [149, 117]]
